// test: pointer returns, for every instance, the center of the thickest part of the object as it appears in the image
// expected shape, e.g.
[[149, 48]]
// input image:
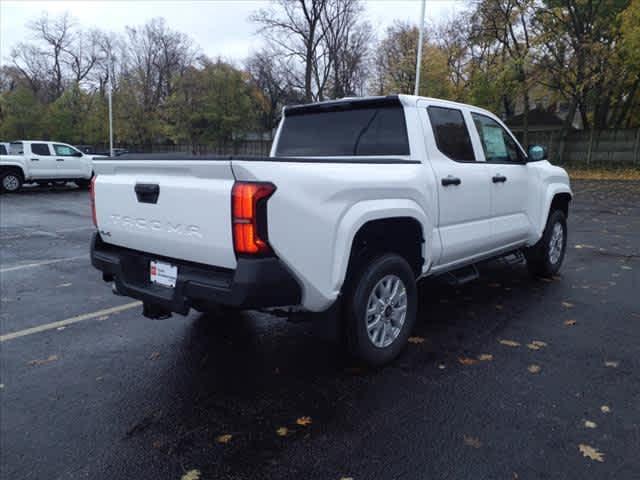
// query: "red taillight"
[[248, 212], [92, 196]]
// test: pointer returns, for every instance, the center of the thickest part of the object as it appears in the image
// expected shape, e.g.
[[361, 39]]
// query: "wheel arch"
[[398, 222], [557, 195]]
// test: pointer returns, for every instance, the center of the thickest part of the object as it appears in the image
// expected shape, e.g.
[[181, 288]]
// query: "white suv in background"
[[43, 162]]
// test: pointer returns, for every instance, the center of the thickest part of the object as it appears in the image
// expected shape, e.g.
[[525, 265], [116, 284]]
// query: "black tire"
[[11, 181], [540, 260], [82, 183], [359, 288]]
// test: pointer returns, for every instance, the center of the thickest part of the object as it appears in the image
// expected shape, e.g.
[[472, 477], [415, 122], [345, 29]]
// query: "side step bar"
[[462, 275]]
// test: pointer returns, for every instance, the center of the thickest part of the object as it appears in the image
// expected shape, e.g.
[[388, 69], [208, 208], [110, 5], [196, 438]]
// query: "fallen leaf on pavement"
[[416, 340], [626, 267], [282, 431], [472, 441], [569, 323], [611, 363], [485, 357], [304, 421], [536, 345], [63, 285], [590, 452], [510, 343], [154, 356], [35, 363], [605, 409], [191, 475], [467, 361], [590, 424], [567, 304], [226, 438], [534, 368]]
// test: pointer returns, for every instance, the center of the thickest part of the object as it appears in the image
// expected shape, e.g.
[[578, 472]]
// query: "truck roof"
[[371, 101]]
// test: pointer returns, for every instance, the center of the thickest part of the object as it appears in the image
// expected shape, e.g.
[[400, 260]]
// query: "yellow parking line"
[[68, 321]]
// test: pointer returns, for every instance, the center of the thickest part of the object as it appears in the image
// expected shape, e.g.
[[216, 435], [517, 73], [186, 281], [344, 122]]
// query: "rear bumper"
[[255, 283]]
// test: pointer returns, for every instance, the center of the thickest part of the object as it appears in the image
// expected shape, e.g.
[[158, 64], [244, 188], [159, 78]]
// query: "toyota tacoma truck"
[[358, 200], [42, 162]]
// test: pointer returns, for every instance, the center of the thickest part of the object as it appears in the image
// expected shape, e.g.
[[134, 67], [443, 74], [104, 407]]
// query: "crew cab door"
[[510, 179], [42, 164], [70, 161], [463, 183]]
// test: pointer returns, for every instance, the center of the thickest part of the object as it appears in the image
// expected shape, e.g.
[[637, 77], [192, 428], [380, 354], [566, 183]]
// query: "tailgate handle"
[[147, 192]]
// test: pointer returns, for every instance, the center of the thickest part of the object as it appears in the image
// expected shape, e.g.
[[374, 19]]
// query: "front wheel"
[[380, 308], [545, 257], [82, 183]]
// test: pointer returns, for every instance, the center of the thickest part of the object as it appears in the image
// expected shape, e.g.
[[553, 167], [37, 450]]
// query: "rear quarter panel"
[[318, 208]]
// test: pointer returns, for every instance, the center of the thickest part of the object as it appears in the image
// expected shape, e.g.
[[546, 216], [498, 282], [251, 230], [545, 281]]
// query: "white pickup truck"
[[40, 161], [358, 200]]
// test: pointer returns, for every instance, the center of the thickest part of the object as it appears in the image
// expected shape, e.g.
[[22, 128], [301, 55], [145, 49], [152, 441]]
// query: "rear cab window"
[[40, 149], [358, 128], [451, 133]]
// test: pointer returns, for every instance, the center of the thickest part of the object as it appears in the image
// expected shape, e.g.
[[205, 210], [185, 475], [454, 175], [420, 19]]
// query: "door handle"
[[35, 159], [451, 181], [59, 159], [499, 178]]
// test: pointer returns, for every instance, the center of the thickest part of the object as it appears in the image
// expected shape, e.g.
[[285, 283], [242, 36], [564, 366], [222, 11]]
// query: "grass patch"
[[582, 171]]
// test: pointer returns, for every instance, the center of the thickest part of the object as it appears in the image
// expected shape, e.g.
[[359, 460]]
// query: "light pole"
[[109, 92], [416, 90]]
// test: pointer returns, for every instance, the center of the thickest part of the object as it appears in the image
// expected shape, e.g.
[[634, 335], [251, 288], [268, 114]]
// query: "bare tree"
[[295, 28], [348, 43]]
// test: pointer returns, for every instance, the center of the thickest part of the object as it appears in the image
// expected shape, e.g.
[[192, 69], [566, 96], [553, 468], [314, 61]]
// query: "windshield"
[[355, 131]]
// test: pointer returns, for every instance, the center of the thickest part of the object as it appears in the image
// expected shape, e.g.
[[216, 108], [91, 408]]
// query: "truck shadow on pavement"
[[254, 377]]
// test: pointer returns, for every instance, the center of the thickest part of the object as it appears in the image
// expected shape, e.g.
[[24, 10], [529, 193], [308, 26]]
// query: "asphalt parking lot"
[[506, 378]]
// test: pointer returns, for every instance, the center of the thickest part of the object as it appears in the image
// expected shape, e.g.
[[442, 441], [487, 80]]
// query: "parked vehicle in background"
[[4, 148], [43, 162], [119, 151], [91, 150], [359, 199]]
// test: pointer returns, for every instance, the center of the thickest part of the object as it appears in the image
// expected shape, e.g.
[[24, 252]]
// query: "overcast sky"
[[219, 27]]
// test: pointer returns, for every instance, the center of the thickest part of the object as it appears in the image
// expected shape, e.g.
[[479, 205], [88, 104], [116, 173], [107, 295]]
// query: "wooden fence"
[[620, 146]]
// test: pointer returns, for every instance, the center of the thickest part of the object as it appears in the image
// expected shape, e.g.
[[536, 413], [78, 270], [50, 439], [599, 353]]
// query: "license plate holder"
[[163, 273]]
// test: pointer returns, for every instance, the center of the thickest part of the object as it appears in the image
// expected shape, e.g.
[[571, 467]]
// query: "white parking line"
[[42, 233], [68, 321], [44, 262]]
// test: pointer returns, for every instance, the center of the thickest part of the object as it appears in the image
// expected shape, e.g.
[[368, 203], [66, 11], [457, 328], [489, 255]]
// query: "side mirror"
[[536, 153], [77, 154]]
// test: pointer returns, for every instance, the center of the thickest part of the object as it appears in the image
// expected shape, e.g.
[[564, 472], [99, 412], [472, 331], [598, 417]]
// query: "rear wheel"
[[380, 308], [545, 257], [11, 181]]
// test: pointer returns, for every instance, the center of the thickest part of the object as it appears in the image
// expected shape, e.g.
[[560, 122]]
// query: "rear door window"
[[377, 131], [3, 150], [451, 133], [40, 149]]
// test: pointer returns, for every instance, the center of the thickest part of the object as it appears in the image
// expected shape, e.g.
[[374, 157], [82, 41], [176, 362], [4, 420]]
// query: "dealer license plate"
[[163, 273]]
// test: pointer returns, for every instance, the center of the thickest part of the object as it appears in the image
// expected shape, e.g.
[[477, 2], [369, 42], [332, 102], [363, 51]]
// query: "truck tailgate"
[[172, 208]]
